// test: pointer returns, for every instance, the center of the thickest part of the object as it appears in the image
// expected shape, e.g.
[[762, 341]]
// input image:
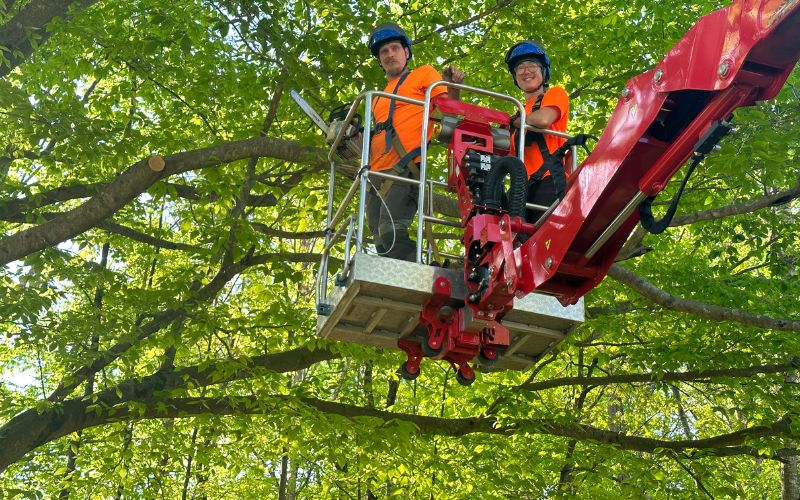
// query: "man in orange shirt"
[[546, 108], [396, 138]]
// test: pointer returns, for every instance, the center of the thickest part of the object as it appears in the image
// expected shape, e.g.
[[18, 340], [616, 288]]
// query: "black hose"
[[518, 192], [646, 207]]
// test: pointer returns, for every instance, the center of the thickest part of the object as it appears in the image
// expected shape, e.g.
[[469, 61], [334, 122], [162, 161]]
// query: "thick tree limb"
[[630, 378], [135, 180], [31, 21], [16, 209], [697, 308], [469, 425], [30, 429]]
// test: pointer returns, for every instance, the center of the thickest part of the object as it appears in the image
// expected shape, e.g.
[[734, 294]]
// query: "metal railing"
[[334, 227]]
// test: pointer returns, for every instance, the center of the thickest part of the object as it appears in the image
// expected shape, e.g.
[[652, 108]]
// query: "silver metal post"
[[423, 164], [362, 198], [345, 201], [323, 267], [574, 165], [348, 239], [426, 110], [615, 224]]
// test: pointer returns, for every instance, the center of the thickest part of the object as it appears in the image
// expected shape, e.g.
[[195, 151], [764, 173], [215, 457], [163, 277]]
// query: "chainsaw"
[[350, 146]]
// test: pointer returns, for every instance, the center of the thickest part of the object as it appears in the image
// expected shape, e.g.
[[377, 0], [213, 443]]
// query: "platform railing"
[[336, 223]]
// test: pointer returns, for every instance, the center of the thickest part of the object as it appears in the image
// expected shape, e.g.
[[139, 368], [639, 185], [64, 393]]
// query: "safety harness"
[[551, 162], [406, 162]]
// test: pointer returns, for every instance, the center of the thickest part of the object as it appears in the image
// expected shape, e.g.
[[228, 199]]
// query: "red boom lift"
[[731, 58]]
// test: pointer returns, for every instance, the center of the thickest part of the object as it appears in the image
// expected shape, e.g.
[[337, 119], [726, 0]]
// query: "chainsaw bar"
[[348, 149], [308, 110]]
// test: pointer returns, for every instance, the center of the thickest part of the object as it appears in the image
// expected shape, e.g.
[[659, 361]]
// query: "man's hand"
[[453, 74]]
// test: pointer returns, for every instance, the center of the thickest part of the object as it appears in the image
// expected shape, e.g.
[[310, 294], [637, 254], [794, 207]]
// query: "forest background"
[[158, 328]]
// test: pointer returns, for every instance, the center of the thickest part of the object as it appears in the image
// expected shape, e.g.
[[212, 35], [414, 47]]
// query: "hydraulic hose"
[[646, 207], [518, 192]]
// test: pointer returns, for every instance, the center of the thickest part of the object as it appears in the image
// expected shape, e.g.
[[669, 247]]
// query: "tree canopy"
[[157, 326]]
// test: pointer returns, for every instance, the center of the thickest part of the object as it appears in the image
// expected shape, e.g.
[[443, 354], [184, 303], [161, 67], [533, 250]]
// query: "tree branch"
[[31, 429], [15, 209], [16, 33], [630, 378], [781, 197], [460, 24], [279, 233], [162, 319], [113, 227], [697, 308], [776, 199], [135, 180]]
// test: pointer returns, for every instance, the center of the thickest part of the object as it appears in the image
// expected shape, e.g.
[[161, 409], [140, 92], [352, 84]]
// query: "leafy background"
[[166, 347]]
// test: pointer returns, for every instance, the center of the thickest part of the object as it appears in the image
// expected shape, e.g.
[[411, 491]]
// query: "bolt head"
[[502, 224], [548, 263], [491, 315], [626, 92], [659, 74], [723, 69]]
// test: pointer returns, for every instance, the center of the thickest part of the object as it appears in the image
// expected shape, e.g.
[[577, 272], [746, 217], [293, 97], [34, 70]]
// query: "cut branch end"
[[156, 163]]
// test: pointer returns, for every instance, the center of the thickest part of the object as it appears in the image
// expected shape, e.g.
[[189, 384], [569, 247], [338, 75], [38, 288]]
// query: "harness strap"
[[406, 162], [551, 162], [387, 126], [540, 142]]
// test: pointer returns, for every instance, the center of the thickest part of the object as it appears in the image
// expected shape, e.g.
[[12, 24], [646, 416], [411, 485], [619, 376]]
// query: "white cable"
[[391, 219]]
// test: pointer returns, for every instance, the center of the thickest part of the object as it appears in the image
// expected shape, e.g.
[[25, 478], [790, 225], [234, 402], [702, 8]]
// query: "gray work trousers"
[[388, 221]]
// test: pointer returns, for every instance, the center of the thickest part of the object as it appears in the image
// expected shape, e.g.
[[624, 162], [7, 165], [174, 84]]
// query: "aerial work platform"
[[380, 302], [486, 312]]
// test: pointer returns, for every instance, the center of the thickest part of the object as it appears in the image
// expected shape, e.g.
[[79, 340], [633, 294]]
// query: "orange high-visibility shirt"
[[407, 118], [555, 97]]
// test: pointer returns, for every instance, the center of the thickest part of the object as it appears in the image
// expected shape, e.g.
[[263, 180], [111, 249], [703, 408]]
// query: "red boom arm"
[[731, 58]]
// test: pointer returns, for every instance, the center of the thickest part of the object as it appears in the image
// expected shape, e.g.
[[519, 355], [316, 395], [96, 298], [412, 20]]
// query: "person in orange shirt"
[[546, 108], [396, 138]]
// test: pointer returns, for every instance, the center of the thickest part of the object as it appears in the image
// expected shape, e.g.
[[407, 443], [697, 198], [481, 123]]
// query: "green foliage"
[[121, 81]]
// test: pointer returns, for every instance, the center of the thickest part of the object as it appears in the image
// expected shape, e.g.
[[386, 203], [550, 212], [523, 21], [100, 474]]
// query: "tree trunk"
[[188, 475], [291, 486], [284, 477], [790, 481], [94, 343]]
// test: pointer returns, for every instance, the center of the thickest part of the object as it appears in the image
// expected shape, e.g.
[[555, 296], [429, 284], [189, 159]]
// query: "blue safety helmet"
[[527, 50], [388, 32]]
